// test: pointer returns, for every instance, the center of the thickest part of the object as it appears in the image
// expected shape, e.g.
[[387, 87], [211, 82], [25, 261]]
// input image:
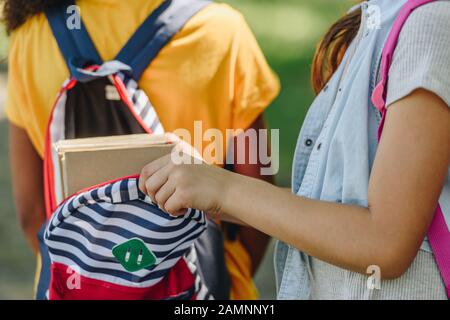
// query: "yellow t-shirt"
[[213, 70]]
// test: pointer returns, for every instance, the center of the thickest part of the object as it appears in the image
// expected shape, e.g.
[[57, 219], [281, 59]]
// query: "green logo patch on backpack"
[[134, 255]]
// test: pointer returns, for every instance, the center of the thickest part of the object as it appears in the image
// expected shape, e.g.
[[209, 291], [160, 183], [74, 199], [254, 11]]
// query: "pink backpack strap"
[[438, 233], [379, 93], [439, 238]]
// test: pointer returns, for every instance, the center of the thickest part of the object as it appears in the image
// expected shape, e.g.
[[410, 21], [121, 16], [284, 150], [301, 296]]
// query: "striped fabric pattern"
[[142, 105], [201, 291], [85, 228]]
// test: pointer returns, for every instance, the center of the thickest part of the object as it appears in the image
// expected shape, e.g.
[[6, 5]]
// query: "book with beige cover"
[[82, 163]]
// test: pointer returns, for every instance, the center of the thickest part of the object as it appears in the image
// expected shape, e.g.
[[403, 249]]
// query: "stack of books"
[[82, 163]]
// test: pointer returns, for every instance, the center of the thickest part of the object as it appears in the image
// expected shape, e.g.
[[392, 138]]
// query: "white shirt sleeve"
[[422, 56]]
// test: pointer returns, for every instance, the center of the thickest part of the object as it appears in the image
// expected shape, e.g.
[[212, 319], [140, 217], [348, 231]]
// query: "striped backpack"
[[439, 231], [110, 241]]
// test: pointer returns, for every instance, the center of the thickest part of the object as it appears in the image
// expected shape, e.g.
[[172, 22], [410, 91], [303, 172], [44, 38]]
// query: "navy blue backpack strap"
[[75, 44], [156, 31]]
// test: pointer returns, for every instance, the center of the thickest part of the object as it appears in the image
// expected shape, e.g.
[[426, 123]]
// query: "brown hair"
[[332, 47], [16, 12]]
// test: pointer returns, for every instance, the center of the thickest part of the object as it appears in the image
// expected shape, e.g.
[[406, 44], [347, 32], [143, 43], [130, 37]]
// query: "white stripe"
[[159, 129], [131, 84], [197, 282], [115, 192], [58, 119], [57, 133], [150, 116], [191, 254], [75, 202], [202, 293], [142, 102], [132, 189], [101, 193], [191, 265]]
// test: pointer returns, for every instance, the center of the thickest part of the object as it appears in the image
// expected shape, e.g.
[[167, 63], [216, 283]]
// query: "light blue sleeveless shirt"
[[338, 140]]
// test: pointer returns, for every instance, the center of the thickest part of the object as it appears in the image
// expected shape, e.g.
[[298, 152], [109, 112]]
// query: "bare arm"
[[408, 174], [26, 172], [253, 240]]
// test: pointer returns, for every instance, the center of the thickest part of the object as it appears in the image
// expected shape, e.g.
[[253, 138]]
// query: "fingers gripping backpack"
[[439, 231], [110, 241]]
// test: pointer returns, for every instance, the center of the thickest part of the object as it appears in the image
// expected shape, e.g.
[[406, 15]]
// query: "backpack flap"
[[113, 236]]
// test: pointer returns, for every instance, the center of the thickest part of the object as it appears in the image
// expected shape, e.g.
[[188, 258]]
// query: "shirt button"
[[319, 146], [308, 142]]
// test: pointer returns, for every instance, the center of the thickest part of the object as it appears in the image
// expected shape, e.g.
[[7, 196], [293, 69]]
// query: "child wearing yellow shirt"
[[212, 71]]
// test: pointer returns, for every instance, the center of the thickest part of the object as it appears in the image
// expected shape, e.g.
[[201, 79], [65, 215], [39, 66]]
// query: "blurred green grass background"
[[287, 31]]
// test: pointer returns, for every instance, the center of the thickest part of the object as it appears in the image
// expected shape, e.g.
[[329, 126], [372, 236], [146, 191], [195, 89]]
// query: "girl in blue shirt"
[[356, 204]]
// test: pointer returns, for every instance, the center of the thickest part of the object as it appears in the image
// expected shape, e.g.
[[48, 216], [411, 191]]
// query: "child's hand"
[[175, 186]]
